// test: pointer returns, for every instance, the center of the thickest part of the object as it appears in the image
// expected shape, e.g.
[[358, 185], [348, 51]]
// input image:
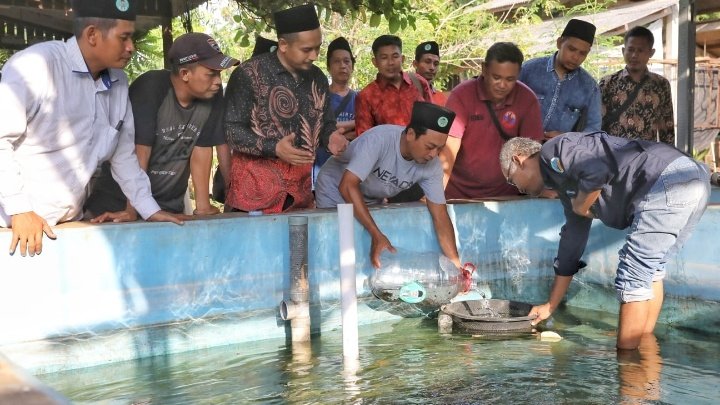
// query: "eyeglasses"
[[509, 174]]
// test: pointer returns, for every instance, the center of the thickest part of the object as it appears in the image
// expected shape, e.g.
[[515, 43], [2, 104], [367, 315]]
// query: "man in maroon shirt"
[[389, 99], [491, 109]]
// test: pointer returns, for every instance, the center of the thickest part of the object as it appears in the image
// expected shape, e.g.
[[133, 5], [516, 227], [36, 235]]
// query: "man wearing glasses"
[[652, 189]]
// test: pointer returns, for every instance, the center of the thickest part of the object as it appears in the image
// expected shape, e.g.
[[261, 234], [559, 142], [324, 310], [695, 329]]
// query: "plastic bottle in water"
[[426, 278]]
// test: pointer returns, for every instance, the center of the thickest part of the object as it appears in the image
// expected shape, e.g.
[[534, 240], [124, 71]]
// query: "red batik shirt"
[[263, 104], [382, 103]]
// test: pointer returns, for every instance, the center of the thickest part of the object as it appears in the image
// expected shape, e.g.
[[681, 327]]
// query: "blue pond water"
[[408, 362]]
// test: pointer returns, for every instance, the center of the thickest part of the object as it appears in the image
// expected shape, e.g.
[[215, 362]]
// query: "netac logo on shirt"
[[509, 120], [387, 177]]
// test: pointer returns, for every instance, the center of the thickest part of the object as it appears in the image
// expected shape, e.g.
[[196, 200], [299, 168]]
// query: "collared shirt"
[[648, 117], [562, 102], [380, 102], [263, 104], [623, 169], [58, 125], [476, 172]]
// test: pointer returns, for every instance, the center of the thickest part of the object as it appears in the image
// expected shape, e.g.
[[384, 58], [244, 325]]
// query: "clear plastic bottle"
[[427, 278]]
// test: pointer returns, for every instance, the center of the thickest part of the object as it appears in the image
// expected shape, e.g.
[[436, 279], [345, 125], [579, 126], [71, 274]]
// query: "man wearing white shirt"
[[66, 110]]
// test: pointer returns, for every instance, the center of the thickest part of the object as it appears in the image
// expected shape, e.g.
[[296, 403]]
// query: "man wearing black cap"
[[426, 63], [569, 96], [65, 110], [340, 65], [387, 160], [178, 120], [277, 114]]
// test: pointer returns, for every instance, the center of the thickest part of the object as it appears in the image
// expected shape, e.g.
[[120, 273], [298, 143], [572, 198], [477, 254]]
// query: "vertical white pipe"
[[348, 298]]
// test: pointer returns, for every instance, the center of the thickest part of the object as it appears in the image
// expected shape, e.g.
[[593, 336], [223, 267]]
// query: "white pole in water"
[[348, 298]]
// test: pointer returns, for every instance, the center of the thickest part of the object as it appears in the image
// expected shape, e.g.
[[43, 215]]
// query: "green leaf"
[[237, 18], [394, 24], [375, 20], [245, 42]]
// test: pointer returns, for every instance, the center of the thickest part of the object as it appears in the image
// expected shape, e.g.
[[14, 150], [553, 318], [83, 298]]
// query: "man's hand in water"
[[541, 313]]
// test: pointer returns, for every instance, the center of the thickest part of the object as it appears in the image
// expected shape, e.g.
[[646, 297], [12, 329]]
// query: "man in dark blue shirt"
[[651, 188]]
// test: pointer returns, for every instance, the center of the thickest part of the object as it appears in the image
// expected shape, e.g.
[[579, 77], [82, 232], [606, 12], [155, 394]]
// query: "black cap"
[[296, 19], [264, 45], [340, 43], [580, 29], [112, 9], [427, 47], [201, 48], [432, 116]]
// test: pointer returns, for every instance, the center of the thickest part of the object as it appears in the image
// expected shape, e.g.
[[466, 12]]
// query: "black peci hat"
[[296, 19], [264, 45], [427, 47], [580, 29], [432, 116], [337, 44], [111, 9]]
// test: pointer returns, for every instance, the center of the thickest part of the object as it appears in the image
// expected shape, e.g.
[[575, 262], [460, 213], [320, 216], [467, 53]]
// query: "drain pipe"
[[297, 309]]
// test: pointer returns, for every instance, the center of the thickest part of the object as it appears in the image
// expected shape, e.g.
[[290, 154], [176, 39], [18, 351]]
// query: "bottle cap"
[[412, 292]]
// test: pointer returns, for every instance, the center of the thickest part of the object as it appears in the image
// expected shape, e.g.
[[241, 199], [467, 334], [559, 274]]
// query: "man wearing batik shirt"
[[636, 103], [426, 63], [389, 99], [277, 114]]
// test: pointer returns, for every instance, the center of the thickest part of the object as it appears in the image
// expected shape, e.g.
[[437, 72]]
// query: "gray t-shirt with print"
[[375, 158]]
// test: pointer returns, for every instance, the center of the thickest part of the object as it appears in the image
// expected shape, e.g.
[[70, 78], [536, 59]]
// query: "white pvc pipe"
[[348, 297]]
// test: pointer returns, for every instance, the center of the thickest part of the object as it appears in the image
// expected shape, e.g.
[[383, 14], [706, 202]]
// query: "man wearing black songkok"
[[383, 162], [277, 114], [66, 110], [569, 96]]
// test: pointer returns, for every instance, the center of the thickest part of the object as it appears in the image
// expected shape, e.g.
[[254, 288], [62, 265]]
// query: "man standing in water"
[[652, 189]]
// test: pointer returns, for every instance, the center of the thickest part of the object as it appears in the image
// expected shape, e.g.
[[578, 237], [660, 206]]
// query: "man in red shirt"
[[490, 109], [389, 99], [426, 64]]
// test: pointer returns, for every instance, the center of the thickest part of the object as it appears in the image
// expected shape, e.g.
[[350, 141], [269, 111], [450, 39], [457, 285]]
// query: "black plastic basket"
[[490, 315]]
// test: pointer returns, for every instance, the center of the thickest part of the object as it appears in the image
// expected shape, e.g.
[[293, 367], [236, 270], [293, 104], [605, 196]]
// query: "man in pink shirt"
[[490, 109]]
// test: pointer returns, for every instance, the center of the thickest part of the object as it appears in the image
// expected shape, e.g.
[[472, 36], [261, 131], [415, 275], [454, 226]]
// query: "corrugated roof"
[[540, 37]]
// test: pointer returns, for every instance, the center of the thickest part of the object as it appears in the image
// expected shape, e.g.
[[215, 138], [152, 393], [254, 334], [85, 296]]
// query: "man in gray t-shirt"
[[385, 161]]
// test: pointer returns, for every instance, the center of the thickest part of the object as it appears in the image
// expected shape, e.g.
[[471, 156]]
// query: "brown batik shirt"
[[263, 104], [649, 117]]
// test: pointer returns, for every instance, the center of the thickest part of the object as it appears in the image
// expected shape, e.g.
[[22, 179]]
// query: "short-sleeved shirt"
[[476, 172], [382, 103], [172, 131], [264, 103], [623, 169], [58, 125], [562, 102], [376, 160], [347, 114], [648, 117]]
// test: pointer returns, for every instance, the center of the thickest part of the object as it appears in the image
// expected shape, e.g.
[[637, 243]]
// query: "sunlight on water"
[[408, 362]]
